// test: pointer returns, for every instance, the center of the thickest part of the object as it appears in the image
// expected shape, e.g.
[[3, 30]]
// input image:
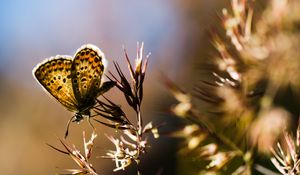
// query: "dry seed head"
[[267, 128], [219, 160]]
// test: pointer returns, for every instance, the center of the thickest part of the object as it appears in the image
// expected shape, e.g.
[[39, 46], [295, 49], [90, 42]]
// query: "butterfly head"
[[77, 117]]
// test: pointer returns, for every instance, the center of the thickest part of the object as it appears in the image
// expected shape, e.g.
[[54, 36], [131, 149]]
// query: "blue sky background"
[[33, 30]]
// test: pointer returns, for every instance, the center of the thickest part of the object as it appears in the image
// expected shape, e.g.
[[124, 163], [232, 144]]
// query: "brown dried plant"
[[81, 160], [130, 148], [258, 58], [286, 154]]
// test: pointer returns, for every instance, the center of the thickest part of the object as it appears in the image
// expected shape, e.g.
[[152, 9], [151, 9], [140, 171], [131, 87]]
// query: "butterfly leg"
[[68, 125], [90, 123]]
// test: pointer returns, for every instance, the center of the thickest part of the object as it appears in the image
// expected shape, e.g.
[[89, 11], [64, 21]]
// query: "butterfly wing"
[[55, 76], [87, 70]]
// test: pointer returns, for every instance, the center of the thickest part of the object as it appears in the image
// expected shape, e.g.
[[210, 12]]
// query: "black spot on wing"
[[59, 88]]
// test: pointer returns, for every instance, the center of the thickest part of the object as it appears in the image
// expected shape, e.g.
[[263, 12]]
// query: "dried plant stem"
[[296, 166], [217, 136], [140, 129], [140, 121], [264, 170]]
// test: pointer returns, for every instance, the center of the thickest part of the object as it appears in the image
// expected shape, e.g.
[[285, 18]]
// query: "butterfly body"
[[73, 81]]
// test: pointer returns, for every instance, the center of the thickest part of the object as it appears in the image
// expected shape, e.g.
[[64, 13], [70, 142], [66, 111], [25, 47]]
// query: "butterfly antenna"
[[68, 125]]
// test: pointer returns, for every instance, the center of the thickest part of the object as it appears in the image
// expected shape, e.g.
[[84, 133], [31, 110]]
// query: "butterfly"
[[75, 81]]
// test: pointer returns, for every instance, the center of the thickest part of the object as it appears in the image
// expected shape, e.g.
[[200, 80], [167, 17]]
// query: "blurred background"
[[175, 32]]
